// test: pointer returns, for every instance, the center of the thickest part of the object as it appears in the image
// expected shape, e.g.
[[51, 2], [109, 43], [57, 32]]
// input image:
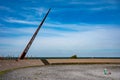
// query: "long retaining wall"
[[84, 61], [12, 64]]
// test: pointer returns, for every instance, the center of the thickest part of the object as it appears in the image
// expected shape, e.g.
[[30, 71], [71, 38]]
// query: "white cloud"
[[47, 24], [102, 8], [38, 10], [84, 37], [75, 42], [52, 28], [110, 2], [9, 31], [99, 38], [11, 20], [85, 3], [97, 5], [79, 26]]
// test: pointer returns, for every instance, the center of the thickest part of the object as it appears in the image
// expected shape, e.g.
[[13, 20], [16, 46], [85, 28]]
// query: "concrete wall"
[[83, 61], [10, 64]]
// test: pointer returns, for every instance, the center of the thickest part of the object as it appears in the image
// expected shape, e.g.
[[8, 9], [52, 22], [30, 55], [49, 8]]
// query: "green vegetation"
[[5, 71], [8, 70], [74, 57]]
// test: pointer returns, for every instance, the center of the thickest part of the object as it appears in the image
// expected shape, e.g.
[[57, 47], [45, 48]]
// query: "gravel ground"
[[65, 72]]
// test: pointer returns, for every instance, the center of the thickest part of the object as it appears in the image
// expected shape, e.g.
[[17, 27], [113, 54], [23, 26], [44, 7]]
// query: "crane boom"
[[23, 54]]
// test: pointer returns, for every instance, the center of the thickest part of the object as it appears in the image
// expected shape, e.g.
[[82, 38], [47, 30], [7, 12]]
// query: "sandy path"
[[65, 72]]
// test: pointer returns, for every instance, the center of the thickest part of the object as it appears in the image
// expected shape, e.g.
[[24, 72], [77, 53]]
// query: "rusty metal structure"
[[23, 54]]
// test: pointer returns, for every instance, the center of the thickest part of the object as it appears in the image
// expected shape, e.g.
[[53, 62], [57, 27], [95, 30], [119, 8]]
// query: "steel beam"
[[23, 54]]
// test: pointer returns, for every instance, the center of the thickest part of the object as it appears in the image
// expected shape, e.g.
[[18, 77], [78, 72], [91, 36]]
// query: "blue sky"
[[87, 28]]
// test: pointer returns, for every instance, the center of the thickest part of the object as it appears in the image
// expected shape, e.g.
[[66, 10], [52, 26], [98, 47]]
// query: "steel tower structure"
[[23, 54]]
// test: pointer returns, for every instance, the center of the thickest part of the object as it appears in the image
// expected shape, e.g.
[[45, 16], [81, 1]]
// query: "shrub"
[[74, 57]]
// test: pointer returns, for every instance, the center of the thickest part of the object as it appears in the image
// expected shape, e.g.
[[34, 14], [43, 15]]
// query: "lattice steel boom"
[[22, 56]]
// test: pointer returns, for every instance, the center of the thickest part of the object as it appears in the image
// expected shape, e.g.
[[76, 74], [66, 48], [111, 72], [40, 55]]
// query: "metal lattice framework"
[[23, 54]]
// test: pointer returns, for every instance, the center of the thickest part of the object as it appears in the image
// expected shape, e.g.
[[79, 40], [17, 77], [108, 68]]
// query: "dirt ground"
[[65, 72]]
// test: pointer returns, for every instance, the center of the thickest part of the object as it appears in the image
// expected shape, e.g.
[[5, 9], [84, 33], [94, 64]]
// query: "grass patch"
[[5, 71], [8, 70]]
